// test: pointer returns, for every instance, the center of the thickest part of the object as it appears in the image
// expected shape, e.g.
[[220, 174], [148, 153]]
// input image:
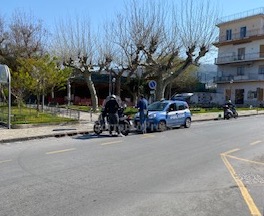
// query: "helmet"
[[113, 96]]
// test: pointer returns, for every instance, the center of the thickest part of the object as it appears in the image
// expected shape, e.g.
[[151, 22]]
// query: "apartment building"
[[240, 60]]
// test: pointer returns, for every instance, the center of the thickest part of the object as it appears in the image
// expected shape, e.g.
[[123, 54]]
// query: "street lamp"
[[110, 83], [69, 92], [171, 73], [113, 82], [231, 81]]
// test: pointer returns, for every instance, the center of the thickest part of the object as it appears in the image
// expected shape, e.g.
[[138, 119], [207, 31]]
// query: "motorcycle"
[[125, 123], [102, 124], [229, 112]]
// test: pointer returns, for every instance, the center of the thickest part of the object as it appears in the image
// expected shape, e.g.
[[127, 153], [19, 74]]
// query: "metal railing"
[[246, 77], [235, 58], [238, 36]]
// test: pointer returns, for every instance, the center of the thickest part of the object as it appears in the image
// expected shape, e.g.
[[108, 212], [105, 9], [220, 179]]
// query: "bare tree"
[[167, 43], [27, 38], [121, 52], [74, 44]]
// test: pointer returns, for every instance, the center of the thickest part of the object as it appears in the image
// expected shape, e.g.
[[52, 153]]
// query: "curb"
[[57, 135], [88, 131]]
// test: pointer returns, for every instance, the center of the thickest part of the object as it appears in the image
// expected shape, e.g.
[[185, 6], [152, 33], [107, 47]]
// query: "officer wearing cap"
[[111, 108]]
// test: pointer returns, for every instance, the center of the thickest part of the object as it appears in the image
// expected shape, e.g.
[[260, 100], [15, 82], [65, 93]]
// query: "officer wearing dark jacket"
[[111, 108]]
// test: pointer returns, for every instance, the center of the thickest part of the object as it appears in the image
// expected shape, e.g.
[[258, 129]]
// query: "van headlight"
[[152, 115]]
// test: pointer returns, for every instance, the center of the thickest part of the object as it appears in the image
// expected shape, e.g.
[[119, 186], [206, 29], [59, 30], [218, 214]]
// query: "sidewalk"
[[85, 126]]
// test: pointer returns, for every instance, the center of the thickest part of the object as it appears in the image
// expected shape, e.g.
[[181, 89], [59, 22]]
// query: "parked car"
[[166, 114]]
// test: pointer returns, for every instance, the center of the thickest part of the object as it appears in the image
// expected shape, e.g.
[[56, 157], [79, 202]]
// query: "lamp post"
[[110, 83], [113, 82], [171, 73], [69, 92], [231, 82]]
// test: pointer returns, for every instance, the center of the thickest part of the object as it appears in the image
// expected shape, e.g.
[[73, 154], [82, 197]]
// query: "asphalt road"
[[212, 168]]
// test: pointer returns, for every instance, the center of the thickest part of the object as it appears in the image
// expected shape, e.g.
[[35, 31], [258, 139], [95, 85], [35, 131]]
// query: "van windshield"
[[157, 106]]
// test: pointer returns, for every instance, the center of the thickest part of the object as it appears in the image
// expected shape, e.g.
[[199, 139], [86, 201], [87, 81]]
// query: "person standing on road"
[[111, 108], [142, 106]]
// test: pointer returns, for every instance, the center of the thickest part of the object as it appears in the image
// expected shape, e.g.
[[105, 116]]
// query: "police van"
[[166, 114]]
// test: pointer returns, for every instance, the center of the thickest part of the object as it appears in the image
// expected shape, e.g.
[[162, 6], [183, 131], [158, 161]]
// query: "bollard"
[[91, 115]]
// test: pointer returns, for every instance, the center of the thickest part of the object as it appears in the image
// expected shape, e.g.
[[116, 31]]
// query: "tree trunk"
[[90, 84], [160, 89]]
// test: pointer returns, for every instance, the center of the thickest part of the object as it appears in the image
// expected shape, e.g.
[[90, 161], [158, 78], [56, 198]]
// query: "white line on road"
[[60, 151], [5, 161], [109, 143], [256, 142]]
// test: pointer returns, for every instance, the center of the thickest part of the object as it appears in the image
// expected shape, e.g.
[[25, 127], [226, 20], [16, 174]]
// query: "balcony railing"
[[238, 36], [241, 15], [231, 78], [239, 58]]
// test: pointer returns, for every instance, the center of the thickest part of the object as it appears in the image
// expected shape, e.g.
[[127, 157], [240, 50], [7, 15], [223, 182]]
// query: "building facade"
[[240, 60]]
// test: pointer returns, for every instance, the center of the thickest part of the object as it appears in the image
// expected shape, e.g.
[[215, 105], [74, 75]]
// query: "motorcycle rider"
[[111, 108], [232, 108]]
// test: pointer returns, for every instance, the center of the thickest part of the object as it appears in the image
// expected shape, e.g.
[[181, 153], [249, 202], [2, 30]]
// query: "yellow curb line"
[[242, 159], [248, 199]]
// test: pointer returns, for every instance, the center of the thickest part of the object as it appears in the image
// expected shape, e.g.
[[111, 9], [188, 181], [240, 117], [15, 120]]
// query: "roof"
[[241, 15]]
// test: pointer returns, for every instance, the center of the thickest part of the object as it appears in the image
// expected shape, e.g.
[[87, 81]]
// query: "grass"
[[26, 115], [77, 107]]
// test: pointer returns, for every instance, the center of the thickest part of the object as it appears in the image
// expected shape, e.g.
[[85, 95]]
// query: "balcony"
[[237, 38], [239, 78], [239, 59]]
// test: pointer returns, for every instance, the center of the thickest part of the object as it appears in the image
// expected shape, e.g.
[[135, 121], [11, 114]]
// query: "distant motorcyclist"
[[111, 108], [231, 105], [232, 108]]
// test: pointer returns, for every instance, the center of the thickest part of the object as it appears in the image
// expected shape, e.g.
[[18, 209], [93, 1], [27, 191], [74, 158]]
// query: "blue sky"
[[99, 10], [51, 11]]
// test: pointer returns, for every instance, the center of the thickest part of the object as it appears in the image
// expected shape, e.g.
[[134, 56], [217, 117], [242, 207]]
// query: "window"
[[181, 107], [172, 107], [261, 69], [261, 51], [243, 32], [240, 71], [241, 53], [229, 34], [252, 94]]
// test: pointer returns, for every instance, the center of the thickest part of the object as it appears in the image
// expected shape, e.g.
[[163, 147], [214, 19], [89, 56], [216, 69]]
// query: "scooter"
[[125, 123], [102, 124], [229, 112]]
